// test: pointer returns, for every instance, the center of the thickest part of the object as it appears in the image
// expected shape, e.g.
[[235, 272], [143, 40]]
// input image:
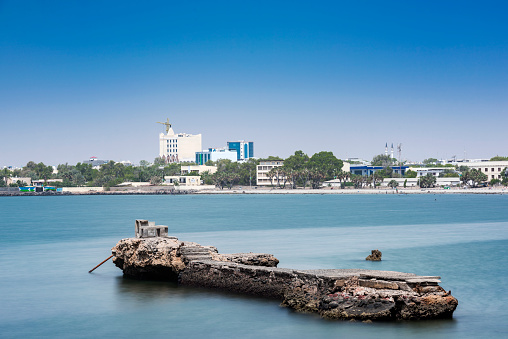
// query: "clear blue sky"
[[91, 78]]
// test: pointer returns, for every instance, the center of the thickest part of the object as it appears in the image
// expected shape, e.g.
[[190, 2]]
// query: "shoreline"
[[164, 190]]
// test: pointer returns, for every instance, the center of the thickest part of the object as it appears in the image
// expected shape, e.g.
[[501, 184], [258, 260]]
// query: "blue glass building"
[[244, 149]]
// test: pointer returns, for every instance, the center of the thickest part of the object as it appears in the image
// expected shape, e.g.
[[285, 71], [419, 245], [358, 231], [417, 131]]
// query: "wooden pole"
[[111, 256]]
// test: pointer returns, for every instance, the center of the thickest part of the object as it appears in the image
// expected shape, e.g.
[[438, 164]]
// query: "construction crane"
[[168, 125]]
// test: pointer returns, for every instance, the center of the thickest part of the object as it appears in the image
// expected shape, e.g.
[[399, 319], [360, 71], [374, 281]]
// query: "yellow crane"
[[168, 125]]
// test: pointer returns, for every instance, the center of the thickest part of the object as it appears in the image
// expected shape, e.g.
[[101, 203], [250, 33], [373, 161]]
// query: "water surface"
[[48, 244]]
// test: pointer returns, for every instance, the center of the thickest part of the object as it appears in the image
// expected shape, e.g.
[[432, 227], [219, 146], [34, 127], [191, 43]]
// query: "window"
[[486, 170], [492, 169]]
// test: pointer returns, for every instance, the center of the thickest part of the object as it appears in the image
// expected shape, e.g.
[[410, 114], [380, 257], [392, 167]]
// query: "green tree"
[[410, 174], [427, 181], [159, 161], [87, 171], [207, 178], [294, 165], [357, 180], [272, 158], [387, 172], [144, 163], [473, 177], [247, 172], [430, 161], [504, 176], [326, 163], [499, 158], [43, 171], [382, 160], [495, 182], [377, 178], [227, 175], [275, 172], [393, 184], [463, 168], [219, 179], [296, 161], [156, 180]]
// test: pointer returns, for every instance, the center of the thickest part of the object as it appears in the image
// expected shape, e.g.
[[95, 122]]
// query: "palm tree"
[[275, 173]]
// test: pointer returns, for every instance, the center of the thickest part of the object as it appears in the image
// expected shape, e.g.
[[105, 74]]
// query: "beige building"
[[262, 172], [492, 169], [179, 147], [346, 166], [265, 166], [26, 180]]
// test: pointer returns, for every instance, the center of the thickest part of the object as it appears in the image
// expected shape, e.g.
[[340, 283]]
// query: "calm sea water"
[[48, 244]]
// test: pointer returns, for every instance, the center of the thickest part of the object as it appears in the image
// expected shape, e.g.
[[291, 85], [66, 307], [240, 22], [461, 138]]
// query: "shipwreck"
[[332, 293]]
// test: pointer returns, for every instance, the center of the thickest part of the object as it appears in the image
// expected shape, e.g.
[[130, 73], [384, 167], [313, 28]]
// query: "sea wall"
[[333, 293]]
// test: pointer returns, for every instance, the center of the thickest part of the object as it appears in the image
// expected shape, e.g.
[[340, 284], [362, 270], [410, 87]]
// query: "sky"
[[92, 78]]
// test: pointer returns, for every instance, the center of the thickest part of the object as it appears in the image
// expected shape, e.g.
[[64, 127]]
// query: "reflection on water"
[[146, 290]]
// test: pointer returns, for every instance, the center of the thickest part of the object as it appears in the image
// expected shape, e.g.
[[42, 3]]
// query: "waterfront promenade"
[[149, 190]]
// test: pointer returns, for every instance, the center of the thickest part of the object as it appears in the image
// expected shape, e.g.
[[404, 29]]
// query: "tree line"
[[298, 170]]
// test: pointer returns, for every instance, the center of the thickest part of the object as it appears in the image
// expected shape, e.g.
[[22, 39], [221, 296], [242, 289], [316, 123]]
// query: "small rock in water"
[[375, 256]]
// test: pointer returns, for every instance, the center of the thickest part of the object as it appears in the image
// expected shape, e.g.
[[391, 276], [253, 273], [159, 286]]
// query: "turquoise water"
[[48, 244]]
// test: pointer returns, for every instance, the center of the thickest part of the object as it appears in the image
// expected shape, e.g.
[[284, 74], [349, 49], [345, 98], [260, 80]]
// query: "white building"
[[215, 154], [182, 180], [492, 169], [198, 168], [435, 171], [262, 178], [179, 147]]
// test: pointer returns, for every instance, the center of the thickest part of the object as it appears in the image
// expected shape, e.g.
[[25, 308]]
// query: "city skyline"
[[92, 79]]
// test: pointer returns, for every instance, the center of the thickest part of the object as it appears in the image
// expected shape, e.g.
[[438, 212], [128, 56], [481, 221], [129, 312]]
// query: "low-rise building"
[[182, 180], [199, 169], [333, 183], [365, 170], [435, 171], [262, 178], [493, 169], [413, 182], [41, 182], [14, 180], [215, 154], [95, 162]]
